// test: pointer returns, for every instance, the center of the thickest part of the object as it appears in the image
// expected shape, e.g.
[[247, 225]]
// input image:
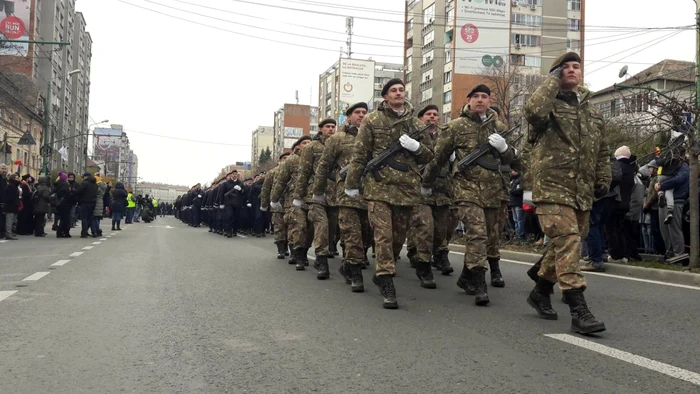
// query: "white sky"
[[156, 74]]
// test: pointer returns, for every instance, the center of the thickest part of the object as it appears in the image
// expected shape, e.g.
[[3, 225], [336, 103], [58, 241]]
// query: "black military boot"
[[301, 256], [466, 281], [482, 296], [442, 262], [425, 275], [386, 288], [304, 256], [345, 272], [496, 276], [540, 300], [532, 272], [280, 250], [322, 262], [229, 234], [293, 259], [582, 320], [357, 282], [286, 248]]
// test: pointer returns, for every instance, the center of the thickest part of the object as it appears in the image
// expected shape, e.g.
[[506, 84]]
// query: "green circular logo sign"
[[497, 61], [487, 61]]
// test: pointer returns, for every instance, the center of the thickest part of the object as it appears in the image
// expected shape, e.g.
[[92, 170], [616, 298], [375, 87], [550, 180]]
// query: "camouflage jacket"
[[569, 156], [442, 186], [380, 129], [267, 188], [310, 158], [285, 177], [337, 155], [476, 185]]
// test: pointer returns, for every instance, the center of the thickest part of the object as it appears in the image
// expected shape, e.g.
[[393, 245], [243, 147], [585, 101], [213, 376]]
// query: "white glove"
[[409, 143], [498, 142], [199, 196], [249, 205], [426, 191], [221, 207], [453, 157], [319, 197], [275, 205], [297, 203], [238, 188], [352, 193], [264, 209]]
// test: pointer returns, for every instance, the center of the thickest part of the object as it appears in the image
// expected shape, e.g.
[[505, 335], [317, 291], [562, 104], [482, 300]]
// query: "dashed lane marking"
[[103, 239], [76, 254], [96, 243], [60, 263], [88, 247], [2, 242], [243, 236], [5, 294], [639, 361], [36, 276]]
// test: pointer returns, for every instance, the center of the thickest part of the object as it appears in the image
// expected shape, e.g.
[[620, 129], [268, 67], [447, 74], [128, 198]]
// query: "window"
[[526, 19], [428, 57], [448, 55], [429, 38], [533, 61], [410, 27], [573, 45], [528, 3], [429, 15], [426, 94], [427, 76], [615, 107], [526, 40], [447, 97], [574, 5], [574, 24], [448, 77], [408, 77]]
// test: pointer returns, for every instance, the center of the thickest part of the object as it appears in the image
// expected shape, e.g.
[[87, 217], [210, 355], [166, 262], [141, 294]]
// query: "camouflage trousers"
[[453, 223], [333, 229], [421, 231], [495, 220], [297, 229], [443, 229], [354, 229], [390, 225], [317, 225], [280, 226], [475, 232], [566, 227]]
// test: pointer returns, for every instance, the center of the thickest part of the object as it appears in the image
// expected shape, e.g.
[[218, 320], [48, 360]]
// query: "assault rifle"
[[477, 156], [385, 158]]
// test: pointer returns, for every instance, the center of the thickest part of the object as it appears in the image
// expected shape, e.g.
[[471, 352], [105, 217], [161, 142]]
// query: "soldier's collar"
[[350, 129]]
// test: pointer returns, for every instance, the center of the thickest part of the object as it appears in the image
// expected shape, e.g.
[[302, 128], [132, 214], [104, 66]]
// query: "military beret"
[[567, 57], [327, 121], [285, 154], [355, 106], [479, 89], [391, 83], [300, 140], [428, 108]]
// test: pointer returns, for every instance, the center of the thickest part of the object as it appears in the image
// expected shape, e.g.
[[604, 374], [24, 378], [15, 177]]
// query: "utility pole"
[[694, 151], [47, 150], [348, 28]]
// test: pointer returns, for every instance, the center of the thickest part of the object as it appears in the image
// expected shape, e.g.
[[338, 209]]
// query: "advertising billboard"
[[288, 142], [483, 35], [293, 132], [15, 23], [106, 149], [356, 82]]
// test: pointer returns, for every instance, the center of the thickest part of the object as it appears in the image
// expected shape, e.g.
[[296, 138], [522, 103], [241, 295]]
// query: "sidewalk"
[[678, 277]]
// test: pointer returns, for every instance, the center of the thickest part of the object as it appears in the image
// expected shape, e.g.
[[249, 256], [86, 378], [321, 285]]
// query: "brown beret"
[[567, 57]]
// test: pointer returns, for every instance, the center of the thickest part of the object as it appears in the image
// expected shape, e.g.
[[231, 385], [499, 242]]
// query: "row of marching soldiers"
[[419, 193]]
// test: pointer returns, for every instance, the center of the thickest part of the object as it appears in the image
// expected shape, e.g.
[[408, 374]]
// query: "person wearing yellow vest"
[[155, 208], [130, 206]]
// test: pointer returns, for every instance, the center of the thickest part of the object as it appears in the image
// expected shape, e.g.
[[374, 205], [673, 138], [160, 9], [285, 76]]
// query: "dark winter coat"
[[118, 199], [516, 192], [679, 183], [3, 186], [107, 197], [231, 196], [87, 191], [625, 185], [63, 192], [41, 197], [254, 193], [12, 199]]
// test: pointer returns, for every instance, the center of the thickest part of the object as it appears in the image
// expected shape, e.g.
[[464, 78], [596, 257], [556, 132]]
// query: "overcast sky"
[[160, 75]]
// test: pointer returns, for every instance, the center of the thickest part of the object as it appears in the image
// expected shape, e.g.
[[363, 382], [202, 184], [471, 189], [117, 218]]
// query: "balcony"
[[427, 28], [426, 65], [425, 84], [428, 46]]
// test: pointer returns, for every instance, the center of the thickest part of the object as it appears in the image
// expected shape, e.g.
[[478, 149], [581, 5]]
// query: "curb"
[[677, 277]]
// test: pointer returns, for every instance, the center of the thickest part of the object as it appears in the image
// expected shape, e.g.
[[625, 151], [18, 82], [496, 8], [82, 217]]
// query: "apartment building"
[[262, 138], [450, 45], [291, 122]]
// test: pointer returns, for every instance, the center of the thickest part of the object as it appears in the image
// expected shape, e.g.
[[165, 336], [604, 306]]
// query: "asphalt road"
[[165, 308]]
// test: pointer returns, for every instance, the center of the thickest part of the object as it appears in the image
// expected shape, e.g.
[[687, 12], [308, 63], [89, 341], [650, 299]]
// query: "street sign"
[[26, 139], [45, 151], [12, 27]]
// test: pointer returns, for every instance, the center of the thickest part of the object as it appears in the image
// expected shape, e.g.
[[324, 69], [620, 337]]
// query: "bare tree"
[[511, 86]]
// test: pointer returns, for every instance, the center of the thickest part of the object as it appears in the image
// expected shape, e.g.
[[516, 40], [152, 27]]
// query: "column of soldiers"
[[429, 182]]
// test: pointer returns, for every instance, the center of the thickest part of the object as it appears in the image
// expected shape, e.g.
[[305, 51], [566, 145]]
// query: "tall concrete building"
[[262, 138], [291, 122], [450, 45], [332, 104], [49, 65]]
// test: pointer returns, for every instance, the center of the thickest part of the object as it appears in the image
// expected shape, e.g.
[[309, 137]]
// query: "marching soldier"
[[278, 224], [569, 165], [477, 189], [314, 209], [394, 189], [293, 216], [352, 213]]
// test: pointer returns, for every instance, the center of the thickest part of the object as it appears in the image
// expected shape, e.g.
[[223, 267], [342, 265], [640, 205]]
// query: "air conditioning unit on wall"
[[533, 7], [515, 3]]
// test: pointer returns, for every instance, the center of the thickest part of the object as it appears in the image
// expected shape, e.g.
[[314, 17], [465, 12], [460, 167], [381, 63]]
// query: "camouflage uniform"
[[392, 196], [278, 223], [294, 218], [332, 213], [568, 161], [314, 212], [352, 215]]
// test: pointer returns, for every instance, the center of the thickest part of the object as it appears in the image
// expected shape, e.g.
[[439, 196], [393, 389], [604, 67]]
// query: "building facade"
[[452, 45], [262, 138], [291, 122]]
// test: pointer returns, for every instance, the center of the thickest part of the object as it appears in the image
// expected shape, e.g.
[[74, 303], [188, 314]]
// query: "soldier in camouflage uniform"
[[427, 233], [354, 224], [393, 190], [294, 218], [314, 209], [570, 166], [280, 227], [477, 189]]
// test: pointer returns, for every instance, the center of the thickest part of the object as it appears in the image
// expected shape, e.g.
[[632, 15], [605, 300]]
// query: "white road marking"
[[2, 242], [76, 254], [60, 263], [96, 243], [656, 282], [103, 239], [242, 236], [5, 294], [639, 361], [36, 276], [88, 247]]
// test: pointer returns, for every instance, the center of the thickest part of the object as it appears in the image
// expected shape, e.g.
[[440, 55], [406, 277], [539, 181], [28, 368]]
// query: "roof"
[[668, 69]]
